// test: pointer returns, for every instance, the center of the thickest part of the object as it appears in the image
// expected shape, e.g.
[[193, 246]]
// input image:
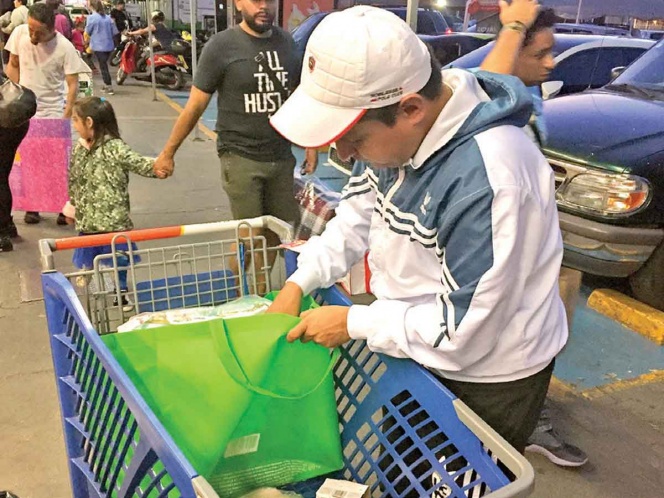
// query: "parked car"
[[589, 29], [76, 11], [606, 147], [582, 61], [649, 34], [429, 22], [446, 47]]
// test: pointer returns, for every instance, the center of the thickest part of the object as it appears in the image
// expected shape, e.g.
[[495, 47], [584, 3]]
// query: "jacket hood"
[[480, 101]]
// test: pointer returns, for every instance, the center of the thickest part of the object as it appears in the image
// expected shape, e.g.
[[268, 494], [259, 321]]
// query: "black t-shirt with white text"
[[253, 78]]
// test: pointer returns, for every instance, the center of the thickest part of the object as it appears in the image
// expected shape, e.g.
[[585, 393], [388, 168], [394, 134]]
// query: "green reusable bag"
[[247, 408]]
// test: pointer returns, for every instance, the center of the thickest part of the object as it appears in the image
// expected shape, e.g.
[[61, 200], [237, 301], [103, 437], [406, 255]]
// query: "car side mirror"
[[617, 71], [551, 88]]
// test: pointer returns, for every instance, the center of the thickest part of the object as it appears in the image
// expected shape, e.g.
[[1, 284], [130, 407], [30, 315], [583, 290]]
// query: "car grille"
[[564, 171]]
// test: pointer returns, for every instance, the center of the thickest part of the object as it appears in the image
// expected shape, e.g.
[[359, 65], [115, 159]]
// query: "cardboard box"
[[358, 280], [333, 488]]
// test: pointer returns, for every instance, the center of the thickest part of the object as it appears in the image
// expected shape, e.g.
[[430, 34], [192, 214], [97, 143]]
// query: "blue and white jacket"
[[464, 240]]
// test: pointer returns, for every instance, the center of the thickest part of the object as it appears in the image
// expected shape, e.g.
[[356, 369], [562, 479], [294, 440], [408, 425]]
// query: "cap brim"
[[309, 123]]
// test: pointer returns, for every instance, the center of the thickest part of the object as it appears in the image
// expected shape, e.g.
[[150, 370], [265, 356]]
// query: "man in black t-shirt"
[[122, 21], [253, 67]]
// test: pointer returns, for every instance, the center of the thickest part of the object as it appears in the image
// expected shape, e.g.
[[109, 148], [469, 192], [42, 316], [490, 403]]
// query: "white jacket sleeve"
[[486, 261], [325, 259]]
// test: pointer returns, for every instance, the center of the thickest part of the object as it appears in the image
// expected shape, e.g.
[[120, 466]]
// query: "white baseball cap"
[[357, 59]]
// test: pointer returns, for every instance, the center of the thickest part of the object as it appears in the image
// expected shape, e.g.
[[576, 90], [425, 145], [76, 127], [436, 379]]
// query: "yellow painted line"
[[621, 385], [560, 389], [633, 314], [174, 105]]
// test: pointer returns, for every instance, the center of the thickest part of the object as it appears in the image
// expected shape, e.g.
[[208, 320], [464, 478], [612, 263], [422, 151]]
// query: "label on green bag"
[[242, 445]]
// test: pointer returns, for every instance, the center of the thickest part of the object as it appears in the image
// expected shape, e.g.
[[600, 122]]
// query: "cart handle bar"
[[48, 246]]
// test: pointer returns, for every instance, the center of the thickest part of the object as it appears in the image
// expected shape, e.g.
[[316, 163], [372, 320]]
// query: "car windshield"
[[645, 74]]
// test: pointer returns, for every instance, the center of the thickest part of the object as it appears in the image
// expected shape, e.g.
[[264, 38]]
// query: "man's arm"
[[516, 18], [196, 105], [325, 259], [143, 31], [13, 69], [72, 92]]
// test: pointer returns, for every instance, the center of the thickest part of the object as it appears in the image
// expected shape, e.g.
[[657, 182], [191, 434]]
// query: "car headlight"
[[604, 194]]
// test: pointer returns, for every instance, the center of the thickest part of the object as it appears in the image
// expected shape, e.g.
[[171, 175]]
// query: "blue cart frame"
[[402, 432]]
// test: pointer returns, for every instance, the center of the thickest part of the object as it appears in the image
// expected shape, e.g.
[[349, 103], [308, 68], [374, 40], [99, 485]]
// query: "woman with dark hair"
[[101, 29], [62, 21]]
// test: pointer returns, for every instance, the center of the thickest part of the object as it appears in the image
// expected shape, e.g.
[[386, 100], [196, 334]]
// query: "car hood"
[[605, 128]]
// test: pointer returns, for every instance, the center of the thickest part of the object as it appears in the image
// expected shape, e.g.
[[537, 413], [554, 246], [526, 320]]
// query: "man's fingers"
[[297, 332]]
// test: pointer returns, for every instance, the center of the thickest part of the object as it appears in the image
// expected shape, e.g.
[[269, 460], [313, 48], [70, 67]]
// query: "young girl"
[[99, 181]]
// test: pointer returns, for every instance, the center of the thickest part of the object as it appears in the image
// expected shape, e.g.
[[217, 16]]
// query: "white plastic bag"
[[244, 306]]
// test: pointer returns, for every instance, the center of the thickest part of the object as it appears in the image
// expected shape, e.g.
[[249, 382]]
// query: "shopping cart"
[[402, 433]]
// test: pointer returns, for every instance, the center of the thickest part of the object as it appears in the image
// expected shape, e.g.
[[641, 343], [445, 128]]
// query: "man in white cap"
[[458, 211]]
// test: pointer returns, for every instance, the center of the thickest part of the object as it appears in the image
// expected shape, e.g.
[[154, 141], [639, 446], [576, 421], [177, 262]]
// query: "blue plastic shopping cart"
[[402, 433]]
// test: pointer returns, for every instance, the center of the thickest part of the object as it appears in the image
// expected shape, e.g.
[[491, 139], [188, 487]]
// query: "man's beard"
[[259, 28]]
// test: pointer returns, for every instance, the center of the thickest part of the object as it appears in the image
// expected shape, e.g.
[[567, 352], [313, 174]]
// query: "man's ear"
[[413, 108]]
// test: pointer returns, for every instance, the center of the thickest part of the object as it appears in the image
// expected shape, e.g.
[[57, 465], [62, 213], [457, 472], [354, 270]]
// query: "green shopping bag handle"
[[234, 368]]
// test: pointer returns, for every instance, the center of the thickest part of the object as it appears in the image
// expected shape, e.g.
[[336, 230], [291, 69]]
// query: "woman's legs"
[[102, 58]]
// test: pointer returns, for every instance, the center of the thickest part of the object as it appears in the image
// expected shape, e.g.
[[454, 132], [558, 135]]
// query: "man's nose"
[[550, 62], [345, 150]]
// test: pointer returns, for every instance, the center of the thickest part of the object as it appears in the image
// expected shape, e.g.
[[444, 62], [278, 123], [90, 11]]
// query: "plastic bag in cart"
[[317, 204], [244, 306], [248, 409]]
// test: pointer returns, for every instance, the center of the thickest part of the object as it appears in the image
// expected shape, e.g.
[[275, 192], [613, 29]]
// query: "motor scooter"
[[135, 62]]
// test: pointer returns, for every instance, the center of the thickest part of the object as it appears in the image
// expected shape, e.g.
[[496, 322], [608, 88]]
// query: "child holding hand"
[[99, 182]]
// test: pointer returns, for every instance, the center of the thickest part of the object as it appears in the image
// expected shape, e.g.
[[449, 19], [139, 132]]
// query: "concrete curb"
[[174, 105], [622, 385], [631, 313]]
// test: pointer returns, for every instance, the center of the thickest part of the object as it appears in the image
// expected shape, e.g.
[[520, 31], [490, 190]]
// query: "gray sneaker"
[[549, 444], [546, 441]]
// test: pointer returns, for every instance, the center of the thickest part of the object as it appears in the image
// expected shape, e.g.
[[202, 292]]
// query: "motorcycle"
[[135, 62], [116, 54]]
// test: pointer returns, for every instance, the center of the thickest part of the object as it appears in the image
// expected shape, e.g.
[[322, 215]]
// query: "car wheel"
[[647, 284]]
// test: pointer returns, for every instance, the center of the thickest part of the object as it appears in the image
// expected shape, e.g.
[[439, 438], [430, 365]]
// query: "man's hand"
[[164, 165], [523, 11], [326, 326], [310, 161], [288, 301]]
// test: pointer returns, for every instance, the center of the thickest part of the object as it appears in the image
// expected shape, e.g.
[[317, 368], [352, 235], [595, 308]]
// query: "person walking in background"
[[101, 29], [253, 69], [121, 20], [6, 8], [43, 60], [18, 16], [62, 21], [10, 139], [99, 181]]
